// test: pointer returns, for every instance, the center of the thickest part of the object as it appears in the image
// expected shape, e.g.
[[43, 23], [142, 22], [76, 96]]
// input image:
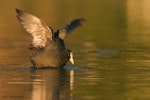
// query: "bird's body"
[[47, 48], [47, 56]]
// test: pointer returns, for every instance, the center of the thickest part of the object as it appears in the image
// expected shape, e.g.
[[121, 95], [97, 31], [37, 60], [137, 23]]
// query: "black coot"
[[47, 48]]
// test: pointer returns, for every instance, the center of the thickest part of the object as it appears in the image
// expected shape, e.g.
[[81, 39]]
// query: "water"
[[111, 49]]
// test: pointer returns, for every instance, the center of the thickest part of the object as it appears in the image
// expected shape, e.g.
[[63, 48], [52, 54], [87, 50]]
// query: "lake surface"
[[111, 51]]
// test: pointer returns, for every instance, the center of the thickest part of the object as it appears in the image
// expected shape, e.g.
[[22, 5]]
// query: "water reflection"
[[44, 84], [138, 22], [53, 85]]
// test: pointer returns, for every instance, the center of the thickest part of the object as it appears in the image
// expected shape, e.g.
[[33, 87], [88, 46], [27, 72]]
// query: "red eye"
[[68, 54]]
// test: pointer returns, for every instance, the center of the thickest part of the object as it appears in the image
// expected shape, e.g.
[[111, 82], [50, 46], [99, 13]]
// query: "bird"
[[47, 47]]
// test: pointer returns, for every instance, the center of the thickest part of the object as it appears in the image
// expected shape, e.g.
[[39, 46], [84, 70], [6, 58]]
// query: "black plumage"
[[47, 47]]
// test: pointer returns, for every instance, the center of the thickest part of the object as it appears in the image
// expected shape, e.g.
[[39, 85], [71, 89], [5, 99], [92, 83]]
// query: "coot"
[[47, 47]]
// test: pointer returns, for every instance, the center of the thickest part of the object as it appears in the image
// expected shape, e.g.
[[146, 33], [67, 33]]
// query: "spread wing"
[[36, 27], [61, 33]]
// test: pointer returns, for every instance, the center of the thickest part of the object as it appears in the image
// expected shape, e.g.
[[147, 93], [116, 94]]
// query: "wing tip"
[[19, 12], [74, 24], [82, 19], [79, 20]]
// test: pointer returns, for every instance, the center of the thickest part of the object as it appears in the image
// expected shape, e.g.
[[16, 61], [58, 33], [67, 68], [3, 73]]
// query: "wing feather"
[[61, 33], [36, 27]]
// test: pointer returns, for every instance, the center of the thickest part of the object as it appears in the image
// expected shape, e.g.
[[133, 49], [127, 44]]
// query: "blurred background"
[[120, 23], [111, 49]]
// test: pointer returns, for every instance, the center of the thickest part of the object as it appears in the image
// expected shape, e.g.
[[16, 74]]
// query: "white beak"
[[71, 58]]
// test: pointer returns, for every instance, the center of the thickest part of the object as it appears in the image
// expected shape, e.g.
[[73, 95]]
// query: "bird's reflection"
[[52, 84]]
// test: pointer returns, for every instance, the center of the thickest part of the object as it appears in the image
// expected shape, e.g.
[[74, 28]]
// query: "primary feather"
[[36, 27]]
